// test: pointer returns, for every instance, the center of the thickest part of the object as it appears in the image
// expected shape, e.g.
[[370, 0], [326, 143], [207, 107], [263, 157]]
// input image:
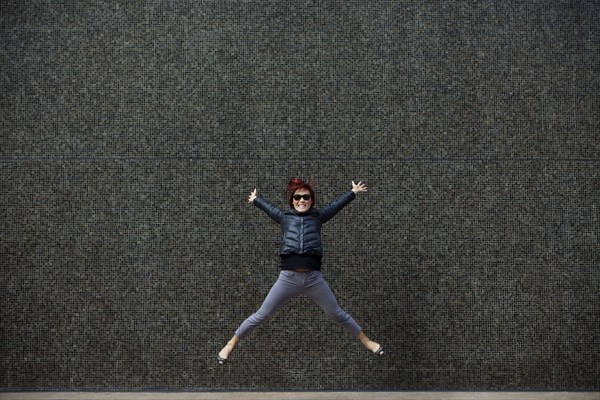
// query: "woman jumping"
[[301, 253]]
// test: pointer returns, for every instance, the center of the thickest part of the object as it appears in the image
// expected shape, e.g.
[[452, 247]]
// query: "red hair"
[[296, 184]]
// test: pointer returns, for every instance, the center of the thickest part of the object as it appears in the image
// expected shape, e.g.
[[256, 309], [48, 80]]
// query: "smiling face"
[[302, 201]]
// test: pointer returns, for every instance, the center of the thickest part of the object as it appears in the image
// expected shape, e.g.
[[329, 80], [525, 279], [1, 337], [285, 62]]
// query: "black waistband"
[[296, 261]]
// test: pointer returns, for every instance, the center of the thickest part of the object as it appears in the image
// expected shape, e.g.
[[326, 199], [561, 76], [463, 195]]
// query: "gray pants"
[[291, 284]]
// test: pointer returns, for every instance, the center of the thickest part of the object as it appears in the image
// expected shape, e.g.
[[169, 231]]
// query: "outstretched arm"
[[332, 208], [269, 208]]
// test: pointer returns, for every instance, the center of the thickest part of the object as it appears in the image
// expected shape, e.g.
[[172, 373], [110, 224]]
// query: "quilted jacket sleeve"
[[269, 208], [332, 208]]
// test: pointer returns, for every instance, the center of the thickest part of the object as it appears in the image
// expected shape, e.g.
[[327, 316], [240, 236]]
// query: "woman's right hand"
[[252, 196]]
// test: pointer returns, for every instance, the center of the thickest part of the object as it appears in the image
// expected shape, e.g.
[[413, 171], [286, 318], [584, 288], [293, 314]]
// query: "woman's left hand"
[[358, 187], [252, 196]]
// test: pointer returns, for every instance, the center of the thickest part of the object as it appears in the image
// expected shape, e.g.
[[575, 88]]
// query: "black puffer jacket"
[[302, 231]]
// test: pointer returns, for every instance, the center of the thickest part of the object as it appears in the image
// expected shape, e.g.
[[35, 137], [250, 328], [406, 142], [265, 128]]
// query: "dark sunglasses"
[[297, 197]]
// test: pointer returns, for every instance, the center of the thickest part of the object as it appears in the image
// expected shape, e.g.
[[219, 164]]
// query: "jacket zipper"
[[301, 235]]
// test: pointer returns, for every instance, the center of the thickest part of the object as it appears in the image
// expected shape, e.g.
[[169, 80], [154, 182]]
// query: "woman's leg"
[[369, 344], [286, 287], [226, 351], [320, 292]]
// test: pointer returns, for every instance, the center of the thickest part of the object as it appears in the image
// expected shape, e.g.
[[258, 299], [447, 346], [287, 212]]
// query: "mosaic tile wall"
[[133, 131]]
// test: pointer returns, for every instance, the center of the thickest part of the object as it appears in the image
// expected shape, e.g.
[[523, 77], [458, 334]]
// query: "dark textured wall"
[[133, 131]]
